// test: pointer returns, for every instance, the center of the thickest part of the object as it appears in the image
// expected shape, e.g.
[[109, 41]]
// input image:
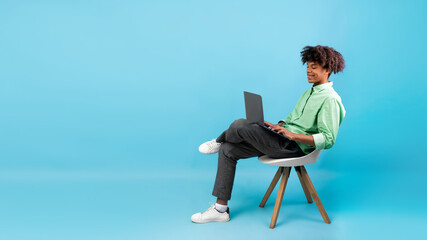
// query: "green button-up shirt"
[[319, 112]]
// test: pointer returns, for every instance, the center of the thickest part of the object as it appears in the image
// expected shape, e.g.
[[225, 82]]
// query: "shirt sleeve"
[[328, 122], [295, 110], [289, 117], [319, 141], [286, 121]]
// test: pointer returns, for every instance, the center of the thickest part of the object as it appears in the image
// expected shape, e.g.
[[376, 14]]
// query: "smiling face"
[[317, 74]]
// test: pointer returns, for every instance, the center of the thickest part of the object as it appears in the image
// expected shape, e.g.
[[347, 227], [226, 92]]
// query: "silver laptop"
[[254, 111]]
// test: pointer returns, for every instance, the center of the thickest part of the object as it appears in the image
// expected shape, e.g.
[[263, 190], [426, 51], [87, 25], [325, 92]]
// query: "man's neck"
[[320, 83]]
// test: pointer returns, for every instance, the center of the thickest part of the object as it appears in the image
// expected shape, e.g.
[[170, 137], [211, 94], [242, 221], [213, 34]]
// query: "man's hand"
[[285, 132], [306, 139], [268, 124]]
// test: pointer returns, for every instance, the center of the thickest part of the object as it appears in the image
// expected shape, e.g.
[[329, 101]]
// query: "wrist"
[[293, 136]]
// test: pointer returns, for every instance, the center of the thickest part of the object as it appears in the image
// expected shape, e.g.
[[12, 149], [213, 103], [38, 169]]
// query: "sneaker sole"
[[212, 221]]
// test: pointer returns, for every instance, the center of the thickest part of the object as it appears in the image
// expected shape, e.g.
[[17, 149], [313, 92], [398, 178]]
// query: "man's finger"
[[275, 128]]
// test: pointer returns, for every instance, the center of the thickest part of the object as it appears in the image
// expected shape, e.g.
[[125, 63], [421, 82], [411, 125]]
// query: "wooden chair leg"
[[271, 187], [282, 187], [304, 185], [314, 195]]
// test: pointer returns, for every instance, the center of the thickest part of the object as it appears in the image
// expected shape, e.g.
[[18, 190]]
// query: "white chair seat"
[[285, 166], [291, 162]]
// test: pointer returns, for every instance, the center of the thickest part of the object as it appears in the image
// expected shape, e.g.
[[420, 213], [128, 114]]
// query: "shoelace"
[[210, 208]]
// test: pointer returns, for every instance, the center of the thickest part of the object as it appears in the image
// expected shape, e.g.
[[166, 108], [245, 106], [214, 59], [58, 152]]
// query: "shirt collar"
[[322, 87]]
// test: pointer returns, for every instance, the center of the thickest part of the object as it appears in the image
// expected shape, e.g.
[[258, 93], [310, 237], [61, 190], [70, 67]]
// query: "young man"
[[313, 124]]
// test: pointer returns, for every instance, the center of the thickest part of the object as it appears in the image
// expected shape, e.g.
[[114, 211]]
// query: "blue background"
[[104, 104]]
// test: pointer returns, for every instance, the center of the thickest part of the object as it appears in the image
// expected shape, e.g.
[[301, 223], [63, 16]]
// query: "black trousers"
[[244, 140]]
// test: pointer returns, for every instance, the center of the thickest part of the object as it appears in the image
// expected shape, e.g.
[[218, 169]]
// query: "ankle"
[[221, 201]]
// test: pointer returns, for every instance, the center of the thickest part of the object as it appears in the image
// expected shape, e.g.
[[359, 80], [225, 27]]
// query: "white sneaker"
[[209, 147], [211, 215]]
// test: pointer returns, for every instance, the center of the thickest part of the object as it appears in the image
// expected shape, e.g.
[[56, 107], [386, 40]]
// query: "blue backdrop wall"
[[133, 87], [130, 84]]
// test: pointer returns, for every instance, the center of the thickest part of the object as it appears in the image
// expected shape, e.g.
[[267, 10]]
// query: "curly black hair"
[[327, 57]]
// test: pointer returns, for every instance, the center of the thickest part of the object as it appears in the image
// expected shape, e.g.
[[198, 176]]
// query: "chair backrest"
[[290, 162]]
